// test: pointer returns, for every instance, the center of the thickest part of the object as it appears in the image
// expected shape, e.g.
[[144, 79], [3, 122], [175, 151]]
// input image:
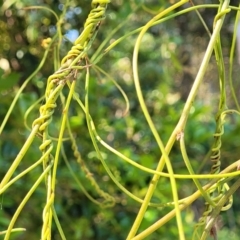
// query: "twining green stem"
[[19, 157], [51, 178], [220, 188], [66, 72], [201, 19], [43, 8], [118, 87], [163, 174], [190, 169], [59, 227], [201, 71], [25, 84], [108, 200], [94, 135], [187, 202], [233, 46], [60, 137], [174, 15], [218, 208], [183, 119], [13, 230], [80, 185], [23, 173], [149, 170], [29, 110], [24, 201], [154, 181], [95, 57]]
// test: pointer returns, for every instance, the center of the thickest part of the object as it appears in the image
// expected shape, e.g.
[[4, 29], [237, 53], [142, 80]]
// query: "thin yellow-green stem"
[[201, 72], [51, 178], [154, 181], [19, 157], [94, 137], [24, 201], [109, 36], [190, 169], [59, 227], [47, 212], [184, 116], [116, 42], [167, 217], [56, 58], [59, 31], [14, 230], [163, 174], [42, 8], [94, 133], [232, 51], [218, 209], [63, 125], [118, 87], [59, 21], [80, 185], [187, 202], [29, 110], [201, 19], [23, 173], [24, 85], [149, 10]]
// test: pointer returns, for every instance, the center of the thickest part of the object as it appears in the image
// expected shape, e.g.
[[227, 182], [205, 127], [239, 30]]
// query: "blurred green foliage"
[[164, 56]]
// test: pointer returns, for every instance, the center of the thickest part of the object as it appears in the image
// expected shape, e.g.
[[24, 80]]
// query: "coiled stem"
[[70, 64]]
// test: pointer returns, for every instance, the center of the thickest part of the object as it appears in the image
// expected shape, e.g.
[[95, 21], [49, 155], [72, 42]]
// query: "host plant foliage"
[[61, 87]]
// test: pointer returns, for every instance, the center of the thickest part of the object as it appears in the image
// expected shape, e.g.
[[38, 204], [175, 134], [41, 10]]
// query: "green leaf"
[[8, 81]]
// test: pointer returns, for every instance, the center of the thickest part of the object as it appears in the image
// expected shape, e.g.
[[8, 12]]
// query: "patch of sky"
[[52, 29], [72, 35], [77, 10], [69, 14], [60, 7]]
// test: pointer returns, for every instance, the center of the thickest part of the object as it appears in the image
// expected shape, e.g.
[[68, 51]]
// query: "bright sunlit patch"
[[172, 98], [151, 215], [4, 64], [192, 110], [20, 54]]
